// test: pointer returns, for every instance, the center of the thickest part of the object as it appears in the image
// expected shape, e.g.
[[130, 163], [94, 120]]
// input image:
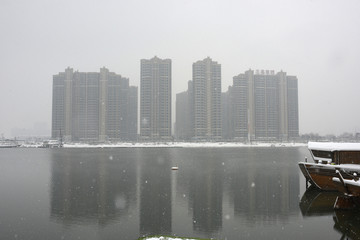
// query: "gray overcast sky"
[[318, 41]]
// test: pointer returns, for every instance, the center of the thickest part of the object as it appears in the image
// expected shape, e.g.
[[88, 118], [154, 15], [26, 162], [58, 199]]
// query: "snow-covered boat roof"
[[332, 146]]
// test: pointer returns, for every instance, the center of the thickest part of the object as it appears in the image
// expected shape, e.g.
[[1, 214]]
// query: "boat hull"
[[348, 187], [319, 175]]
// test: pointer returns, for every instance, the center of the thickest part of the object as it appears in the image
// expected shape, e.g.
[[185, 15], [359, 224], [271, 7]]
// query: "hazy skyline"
[[317, 41]]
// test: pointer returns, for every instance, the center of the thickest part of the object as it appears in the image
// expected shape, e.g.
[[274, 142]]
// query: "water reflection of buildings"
[[94, 186], [199, 182], [265, 187], [88, 186], [205, 197], [262, 186], [155, 192]]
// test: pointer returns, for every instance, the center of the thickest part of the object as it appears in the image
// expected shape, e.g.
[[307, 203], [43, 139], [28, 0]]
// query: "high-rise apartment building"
[[132, 114], [184, 114], [182, 117], [93, 106], [227, 114], [264, 106], [155, 99], [207, 99]]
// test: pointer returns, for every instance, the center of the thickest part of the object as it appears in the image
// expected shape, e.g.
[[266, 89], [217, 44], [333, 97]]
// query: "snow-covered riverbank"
[[180, 145]]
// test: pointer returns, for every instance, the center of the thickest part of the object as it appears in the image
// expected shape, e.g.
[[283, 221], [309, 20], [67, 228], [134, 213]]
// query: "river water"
[[128, 193]]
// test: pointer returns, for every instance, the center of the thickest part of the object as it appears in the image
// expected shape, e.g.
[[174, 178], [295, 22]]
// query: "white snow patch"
[[332, 146], [167, 238]]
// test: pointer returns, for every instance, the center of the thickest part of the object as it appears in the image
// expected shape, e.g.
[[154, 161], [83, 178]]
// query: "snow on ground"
[[35, 145], [180, 145]]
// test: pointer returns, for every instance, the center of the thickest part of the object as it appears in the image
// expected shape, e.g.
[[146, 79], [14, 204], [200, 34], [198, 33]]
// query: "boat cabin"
[[335, 153]]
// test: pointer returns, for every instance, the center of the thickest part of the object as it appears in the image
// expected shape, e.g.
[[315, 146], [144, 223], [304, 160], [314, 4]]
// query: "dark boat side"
[[329, 157]]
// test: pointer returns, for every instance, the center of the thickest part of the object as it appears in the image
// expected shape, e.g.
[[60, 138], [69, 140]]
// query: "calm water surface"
[[127, 193]]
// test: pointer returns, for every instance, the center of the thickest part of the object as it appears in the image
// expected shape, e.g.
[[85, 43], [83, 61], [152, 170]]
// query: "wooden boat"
[[350, 187], [329, 157]]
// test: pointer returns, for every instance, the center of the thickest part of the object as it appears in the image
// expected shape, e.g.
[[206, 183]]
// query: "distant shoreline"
[[181, 145]]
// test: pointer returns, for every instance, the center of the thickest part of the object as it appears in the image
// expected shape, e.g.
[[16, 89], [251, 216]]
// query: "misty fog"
[[318, 41]]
